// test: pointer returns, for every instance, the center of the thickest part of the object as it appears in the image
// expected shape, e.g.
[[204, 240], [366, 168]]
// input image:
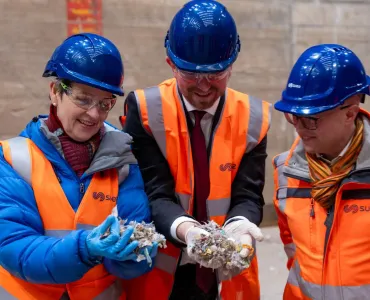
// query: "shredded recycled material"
[[145, 234], [219, 249]]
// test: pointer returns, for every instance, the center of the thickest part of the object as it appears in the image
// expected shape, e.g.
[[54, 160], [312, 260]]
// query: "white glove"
[[243, 231], [191, 235]]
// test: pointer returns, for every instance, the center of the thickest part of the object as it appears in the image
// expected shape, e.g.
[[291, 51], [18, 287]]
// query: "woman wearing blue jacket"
[[61, 179]]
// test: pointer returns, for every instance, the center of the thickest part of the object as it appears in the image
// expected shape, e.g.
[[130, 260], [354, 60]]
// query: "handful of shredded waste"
[[219, 249], [145, 234]]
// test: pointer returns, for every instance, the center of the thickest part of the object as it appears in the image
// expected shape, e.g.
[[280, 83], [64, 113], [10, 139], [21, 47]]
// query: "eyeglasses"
[[309, 123], [87, 102], [196, 77]]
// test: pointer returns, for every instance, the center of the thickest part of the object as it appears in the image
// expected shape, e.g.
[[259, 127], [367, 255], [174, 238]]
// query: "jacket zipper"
[[329, 224], [82, 188], [81, 184], [312, 212], [312, 223]]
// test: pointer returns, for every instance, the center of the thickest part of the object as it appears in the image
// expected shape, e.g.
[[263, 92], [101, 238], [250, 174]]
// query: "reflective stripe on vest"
[[316, 291], [96, 283], [289, 250], [166, 263], [258, 125], [282, 180], [20, 158], [63, 233]]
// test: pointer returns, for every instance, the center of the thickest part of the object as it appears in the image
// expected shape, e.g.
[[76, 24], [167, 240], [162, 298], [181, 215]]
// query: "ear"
[[170, 63], [352, 113], [53, 94], [230, 72]]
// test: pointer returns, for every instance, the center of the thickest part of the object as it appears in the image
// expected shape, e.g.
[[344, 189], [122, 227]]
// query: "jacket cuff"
[[176, 223]]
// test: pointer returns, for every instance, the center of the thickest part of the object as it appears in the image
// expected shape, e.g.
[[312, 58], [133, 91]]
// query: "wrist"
[[182, 230], [84, 251]]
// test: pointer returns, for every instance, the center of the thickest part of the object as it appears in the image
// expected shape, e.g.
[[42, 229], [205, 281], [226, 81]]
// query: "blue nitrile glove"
[[121, 250], [113, 246], [150, 252], [127, 269]]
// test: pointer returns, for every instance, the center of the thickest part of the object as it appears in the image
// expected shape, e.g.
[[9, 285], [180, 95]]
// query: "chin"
[[82, 136], [205, 103], [310, 149], [81, 139]]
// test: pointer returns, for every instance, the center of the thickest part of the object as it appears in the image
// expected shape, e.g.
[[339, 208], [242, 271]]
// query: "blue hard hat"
[[202, 37], [323, 77], [88, 59]]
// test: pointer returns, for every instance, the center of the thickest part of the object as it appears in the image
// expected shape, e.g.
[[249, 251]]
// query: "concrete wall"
[[273, 34]]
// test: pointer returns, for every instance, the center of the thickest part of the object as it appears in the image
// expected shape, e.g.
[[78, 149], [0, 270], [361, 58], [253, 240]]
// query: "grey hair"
[[58, 87]]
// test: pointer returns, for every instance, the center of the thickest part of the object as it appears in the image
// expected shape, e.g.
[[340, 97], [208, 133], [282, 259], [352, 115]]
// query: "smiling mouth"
[[87, 123], [307, 138], [203, 94]]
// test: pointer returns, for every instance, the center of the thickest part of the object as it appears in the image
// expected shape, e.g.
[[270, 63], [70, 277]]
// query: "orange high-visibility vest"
[[243, 124], [325, 261], [59, 219]]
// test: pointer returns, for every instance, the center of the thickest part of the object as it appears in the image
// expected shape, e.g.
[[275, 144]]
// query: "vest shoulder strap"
[[259, 121], [279, 160], [17, 154]]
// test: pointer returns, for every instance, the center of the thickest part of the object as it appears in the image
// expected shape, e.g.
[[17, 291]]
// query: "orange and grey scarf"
[[326, 179]]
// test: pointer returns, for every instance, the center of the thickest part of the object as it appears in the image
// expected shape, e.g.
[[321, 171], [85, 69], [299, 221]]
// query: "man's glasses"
[[196, 77], [309, 123], [87, 102]]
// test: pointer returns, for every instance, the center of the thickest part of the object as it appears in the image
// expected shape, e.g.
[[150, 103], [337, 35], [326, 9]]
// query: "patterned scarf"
[[326, 179], [78, 155]]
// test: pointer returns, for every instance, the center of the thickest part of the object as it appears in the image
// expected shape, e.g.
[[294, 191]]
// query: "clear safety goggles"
[[196, 77], [88, 102]]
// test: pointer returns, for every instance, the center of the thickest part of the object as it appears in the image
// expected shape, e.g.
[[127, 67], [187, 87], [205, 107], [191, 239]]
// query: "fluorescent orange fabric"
[[59, 215], [243, 124], [328, 252]]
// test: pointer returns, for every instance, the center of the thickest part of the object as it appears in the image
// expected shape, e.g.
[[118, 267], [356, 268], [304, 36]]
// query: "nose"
[[94, 113], [203, 84]]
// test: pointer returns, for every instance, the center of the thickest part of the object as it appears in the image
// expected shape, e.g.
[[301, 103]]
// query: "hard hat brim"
[[193, 67], [293, 107]]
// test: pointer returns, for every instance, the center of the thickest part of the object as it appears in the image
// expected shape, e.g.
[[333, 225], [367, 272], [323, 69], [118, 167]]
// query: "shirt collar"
[[331, 162], [212, 110]]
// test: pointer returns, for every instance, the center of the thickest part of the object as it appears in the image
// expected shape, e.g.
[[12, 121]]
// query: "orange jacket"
[[162, 116], [328, 251]]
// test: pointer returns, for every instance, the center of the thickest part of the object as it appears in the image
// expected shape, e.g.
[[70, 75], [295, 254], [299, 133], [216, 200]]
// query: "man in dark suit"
[[201, 148]]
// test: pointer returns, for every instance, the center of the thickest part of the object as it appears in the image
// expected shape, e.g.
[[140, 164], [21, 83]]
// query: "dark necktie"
[[205, 278]]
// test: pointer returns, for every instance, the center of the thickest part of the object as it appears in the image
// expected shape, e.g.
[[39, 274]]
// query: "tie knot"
[[198, 114]]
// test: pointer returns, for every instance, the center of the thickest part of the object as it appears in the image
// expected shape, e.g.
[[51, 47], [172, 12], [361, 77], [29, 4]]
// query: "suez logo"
[[227, 167], [102, 197], [354, 208], [292, 85]]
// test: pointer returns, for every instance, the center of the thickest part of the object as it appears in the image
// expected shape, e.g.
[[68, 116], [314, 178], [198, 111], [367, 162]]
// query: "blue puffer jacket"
[[24, 250]]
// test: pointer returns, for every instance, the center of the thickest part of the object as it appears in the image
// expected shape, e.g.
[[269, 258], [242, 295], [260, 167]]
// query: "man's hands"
[[192, 234], [244, 231], [189, 232]]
